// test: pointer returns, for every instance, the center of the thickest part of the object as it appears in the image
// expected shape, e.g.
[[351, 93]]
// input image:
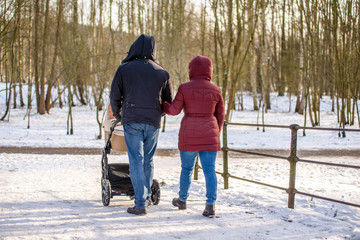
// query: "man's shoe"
[[136, 211], [180, 204], [209, 211]]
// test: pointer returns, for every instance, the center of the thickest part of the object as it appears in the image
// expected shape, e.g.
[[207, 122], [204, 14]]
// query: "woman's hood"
[[200, 67], [143, 47]]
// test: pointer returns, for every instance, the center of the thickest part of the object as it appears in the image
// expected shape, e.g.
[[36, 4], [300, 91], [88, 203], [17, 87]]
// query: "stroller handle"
[[114, 124]]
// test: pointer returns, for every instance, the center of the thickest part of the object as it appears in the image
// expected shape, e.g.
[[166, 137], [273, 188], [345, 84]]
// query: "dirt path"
[[172, 152], [72, 151]]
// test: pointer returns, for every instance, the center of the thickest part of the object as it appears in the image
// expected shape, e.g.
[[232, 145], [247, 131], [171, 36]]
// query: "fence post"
[[196, 170], [292, 160], [225, 157]]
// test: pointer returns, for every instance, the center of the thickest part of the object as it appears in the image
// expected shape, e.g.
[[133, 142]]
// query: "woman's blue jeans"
[[141, 141], [207, 159]]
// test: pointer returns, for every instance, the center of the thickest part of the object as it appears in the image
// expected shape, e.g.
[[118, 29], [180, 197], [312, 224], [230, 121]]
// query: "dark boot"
[[180, 204], [209, 211], [136, 211]]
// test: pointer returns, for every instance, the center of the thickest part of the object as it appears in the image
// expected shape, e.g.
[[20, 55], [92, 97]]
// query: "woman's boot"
[[180, 204], [209, 211]]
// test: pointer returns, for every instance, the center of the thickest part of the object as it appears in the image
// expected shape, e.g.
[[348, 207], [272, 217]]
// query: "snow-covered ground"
[[58, 196]]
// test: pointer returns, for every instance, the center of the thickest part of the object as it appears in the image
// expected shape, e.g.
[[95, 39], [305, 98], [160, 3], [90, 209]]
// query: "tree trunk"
[[36, 53], [70, 127], [29, 67], [52, 80], [8, 87], [281, 87], [42, 109], [21, 57], [310, 111], [253, 81]]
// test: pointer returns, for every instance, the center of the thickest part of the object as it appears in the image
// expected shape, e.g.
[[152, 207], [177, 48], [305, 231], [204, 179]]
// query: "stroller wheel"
[[105, 191], [155, 192]]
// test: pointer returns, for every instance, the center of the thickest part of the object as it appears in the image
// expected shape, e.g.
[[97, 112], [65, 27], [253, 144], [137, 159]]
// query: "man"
[[138, 89]]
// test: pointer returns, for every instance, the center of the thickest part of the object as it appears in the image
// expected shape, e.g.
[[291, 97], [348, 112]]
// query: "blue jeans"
[[207, 159], [141, 141]]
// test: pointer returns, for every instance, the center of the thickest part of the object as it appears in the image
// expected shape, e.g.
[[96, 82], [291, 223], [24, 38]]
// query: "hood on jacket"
[[143, 47], [200, 67]]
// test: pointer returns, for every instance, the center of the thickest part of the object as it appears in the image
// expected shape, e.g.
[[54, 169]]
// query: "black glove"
[[114, 123]]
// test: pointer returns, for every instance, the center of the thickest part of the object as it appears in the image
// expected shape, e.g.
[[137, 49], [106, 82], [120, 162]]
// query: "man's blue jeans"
[[141, 141], [207, 159]]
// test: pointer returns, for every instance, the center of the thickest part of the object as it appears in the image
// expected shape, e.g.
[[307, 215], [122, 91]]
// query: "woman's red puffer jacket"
[[203, 106]]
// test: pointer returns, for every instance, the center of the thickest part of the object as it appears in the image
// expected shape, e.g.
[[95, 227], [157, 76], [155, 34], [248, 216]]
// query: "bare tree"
[[298, 48], [52, 78], [42, 109], [36, 51]]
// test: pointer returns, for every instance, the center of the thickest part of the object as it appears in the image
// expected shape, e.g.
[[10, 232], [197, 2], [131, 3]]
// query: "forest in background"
[[302, 48]]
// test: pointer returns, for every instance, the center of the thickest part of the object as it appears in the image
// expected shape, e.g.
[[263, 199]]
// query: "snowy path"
[[58, 197]]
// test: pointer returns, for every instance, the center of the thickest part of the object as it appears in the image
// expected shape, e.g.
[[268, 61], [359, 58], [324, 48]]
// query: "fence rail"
[[292, 159]]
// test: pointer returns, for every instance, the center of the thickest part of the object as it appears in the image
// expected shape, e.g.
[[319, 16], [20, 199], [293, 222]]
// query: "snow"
[[46, 196], [58, 197]]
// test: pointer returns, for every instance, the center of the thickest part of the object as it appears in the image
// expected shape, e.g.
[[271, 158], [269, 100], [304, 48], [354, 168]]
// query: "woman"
[[200, 129]]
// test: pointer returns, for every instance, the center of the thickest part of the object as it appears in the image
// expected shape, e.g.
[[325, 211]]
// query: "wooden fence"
[[292, 159]]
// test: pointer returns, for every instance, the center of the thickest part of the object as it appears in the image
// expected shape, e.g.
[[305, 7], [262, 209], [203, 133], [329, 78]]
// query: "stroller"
[[115, 179]]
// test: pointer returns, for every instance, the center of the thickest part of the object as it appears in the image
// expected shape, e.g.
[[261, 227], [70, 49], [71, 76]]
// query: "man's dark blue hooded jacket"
[[140, 85]]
